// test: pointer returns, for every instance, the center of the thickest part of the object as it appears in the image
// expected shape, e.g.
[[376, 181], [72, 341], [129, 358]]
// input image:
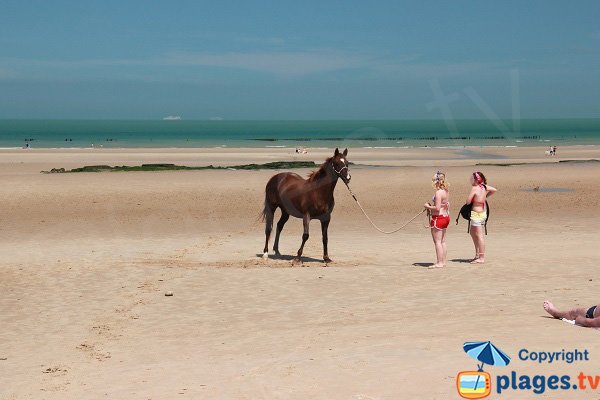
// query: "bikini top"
[[443, 206]]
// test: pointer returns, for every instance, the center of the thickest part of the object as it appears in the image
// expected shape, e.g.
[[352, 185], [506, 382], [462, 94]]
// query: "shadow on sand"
[[422, 264], [462, 260], [285, 257]]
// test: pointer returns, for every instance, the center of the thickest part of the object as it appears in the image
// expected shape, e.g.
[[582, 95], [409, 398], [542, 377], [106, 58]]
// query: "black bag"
[[465, 212]]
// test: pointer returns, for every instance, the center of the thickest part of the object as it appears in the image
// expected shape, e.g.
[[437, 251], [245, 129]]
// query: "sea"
[[297, 134]]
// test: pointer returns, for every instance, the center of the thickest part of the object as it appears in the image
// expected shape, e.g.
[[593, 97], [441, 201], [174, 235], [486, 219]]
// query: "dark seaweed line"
[[174, 167]]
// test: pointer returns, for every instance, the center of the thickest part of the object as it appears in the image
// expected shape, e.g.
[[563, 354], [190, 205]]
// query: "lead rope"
[[372, 223]]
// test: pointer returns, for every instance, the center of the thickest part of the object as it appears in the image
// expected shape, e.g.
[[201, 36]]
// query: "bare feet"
[[478, 261], [436, 266], [550, 309]]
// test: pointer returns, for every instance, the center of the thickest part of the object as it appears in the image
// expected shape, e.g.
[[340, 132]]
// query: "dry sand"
[[87, 258]]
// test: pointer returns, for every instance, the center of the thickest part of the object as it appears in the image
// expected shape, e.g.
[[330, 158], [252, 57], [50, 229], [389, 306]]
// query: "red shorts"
[[440, 221]]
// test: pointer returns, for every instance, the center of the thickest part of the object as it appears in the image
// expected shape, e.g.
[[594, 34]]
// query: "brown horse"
[[308, 199]]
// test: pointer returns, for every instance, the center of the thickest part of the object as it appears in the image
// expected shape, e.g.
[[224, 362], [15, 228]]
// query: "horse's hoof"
[[296, 260], [327, 259], [265, 255], [277, 253]]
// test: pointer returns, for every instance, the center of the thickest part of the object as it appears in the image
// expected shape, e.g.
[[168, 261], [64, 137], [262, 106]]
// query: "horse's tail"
[[270, 204], [263, 214]]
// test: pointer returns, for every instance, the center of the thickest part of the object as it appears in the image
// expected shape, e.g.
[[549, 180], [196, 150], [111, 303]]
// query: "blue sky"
[[299, 60]]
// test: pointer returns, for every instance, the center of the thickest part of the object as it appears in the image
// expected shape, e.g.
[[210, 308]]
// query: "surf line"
[[371, 221]]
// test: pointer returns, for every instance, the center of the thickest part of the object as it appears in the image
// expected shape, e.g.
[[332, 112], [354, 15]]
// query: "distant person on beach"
[[553, 150], [589, 317], [27, 146], [440, 217], [479, 192]]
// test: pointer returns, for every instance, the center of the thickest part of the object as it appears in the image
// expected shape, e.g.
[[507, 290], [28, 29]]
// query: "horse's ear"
[[345, 152], [336, 152]]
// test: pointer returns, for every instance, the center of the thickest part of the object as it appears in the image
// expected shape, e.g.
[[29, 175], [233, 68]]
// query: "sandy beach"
[[87, 259]]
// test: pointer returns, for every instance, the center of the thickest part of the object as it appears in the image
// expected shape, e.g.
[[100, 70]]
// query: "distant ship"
[[172, 118]]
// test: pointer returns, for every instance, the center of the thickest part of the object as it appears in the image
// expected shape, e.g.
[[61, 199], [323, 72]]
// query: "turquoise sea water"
[[402, 133]]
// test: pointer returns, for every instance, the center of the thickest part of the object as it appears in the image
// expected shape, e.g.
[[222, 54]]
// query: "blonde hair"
[[438, 181]]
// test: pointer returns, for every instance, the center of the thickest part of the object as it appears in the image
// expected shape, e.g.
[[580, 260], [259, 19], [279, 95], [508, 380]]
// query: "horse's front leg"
[[324, 227], [305, 222]]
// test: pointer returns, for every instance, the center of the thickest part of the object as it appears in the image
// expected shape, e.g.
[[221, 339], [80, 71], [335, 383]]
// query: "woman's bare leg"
[[570, 314], [436, 235], [475, 242], [478, 241], [445, 247], [480, 237]]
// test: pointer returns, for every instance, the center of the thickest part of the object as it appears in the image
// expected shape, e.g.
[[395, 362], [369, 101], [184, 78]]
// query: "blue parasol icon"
[[487, 353]]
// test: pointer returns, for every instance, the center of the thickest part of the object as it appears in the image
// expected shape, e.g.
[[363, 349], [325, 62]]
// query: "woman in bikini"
[[479, 193], [440, 217]]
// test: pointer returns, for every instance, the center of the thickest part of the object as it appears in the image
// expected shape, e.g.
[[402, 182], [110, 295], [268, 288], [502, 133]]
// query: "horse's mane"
[[320, 172]]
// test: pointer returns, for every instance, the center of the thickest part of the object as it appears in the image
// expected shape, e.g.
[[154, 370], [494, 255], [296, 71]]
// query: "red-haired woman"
[[479, 193]]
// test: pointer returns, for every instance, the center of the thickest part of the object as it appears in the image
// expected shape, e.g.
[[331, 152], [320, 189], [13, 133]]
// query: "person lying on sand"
[[589, 317]]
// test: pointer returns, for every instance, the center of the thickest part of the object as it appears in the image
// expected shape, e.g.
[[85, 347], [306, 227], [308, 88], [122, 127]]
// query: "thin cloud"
[[269, 41], [430, 70], [278, 64], [7, 74]]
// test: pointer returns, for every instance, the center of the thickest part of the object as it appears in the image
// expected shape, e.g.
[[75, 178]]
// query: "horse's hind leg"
[[284, 218], [305, 222], [269, 216]]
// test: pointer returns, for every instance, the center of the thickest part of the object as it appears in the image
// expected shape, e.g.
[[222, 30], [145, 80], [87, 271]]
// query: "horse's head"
[[339, 162]]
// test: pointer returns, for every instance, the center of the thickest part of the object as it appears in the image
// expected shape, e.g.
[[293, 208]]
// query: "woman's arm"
[[438, 202], [490, 190], [471, 195]]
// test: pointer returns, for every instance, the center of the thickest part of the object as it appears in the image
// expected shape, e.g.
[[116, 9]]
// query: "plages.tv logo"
[[478, 384]]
